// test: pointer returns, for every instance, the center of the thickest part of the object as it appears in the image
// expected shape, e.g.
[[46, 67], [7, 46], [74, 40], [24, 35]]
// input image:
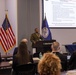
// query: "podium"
[[43, 46]]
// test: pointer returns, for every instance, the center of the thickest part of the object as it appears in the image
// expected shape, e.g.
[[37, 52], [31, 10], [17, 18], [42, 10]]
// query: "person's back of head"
[[55, 46], [22, 54], [49, 64], [24, 40], [16, 48], [22, 48]]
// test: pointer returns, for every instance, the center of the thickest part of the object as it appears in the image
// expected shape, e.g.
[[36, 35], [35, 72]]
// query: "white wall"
[[2, 11], [64, 36], [2, 16]]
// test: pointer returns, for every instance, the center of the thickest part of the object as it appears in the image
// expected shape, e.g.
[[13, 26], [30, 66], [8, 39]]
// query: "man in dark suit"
[[72, 61], [55, 49], [15, 51]]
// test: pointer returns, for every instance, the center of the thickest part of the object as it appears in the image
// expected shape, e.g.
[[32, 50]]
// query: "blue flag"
[[46, 33]]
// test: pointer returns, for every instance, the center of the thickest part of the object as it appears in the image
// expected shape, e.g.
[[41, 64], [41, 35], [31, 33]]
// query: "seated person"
[[72, 61], [49, 64], [55, 49], [22, 56], [16, 49]]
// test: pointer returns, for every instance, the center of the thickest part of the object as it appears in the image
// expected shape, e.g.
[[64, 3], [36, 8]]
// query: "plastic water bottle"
[[40, 55]]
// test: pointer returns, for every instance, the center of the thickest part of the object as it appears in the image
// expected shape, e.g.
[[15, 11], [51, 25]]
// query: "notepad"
[[71, 72], [10, 62]]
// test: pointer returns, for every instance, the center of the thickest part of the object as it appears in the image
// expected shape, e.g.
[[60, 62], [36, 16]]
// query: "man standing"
[[35, 37]]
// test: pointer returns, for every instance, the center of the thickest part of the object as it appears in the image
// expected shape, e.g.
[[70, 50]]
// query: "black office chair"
[[26, 69]]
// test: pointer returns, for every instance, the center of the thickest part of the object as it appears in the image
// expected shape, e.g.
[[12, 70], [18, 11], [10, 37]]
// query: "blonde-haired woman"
[[49, 64]]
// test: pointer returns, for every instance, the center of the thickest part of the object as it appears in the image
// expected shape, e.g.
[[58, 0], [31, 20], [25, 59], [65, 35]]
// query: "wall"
[[2, 11], [2, 16], [64, 36], [28, 19]]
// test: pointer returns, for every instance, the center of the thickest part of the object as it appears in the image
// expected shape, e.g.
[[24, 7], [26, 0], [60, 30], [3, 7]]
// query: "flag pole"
[[6, 12], [45, 15]]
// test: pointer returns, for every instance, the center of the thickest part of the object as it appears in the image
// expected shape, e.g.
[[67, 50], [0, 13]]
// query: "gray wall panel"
[[28, 19]]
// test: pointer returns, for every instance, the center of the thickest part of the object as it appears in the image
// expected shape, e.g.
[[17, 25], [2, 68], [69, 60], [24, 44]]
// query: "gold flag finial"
[[6, 11]]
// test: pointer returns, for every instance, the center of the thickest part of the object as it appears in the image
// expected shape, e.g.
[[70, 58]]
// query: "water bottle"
[[40, 55]]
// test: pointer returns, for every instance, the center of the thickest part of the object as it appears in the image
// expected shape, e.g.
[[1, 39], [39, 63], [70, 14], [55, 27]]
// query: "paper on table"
[[36, 59], [71, 72], [10, 62]]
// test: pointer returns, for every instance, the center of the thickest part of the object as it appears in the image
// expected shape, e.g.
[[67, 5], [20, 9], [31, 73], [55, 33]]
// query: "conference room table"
[[5, 64], [8, 64], [5, 68], [7, 57]]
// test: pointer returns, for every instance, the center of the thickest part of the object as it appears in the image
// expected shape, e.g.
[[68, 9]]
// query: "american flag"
[[7, 37]]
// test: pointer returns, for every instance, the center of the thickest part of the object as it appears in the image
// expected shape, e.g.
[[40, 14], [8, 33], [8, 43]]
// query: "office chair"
[[26, 69]]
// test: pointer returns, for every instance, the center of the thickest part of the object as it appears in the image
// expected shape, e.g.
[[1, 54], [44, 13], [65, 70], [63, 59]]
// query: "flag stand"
[[6, 53]]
